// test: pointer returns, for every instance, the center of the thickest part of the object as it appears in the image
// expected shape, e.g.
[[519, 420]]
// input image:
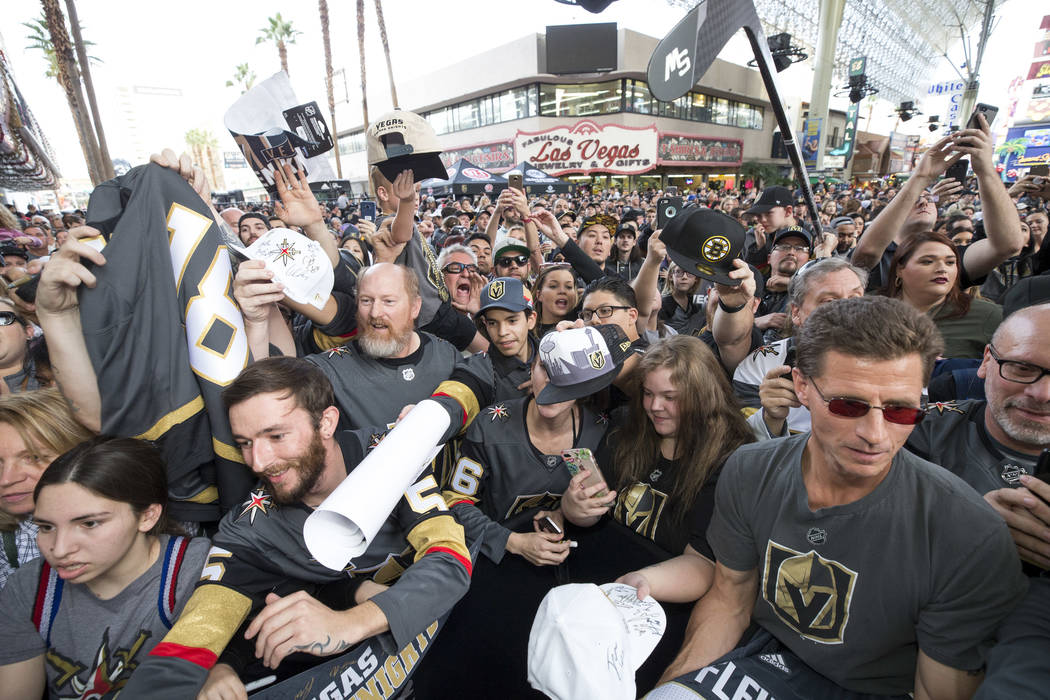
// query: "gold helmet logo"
[[715, 248], [597, 359], [809, 593], [496, 290]]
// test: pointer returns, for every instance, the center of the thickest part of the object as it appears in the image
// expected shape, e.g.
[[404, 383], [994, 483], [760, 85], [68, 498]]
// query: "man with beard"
[[993, 445], [284, 420], [792, 247], [845, 229], [251, 227]]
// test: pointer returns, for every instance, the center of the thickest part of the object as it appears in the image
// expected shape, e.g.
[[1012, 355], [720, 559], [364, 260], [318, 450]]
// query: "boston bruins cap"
[[705, 242], [402, 140]]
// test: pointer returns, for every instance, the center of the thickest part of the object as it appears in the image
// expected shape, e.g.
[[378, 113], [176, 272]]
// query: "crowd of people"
[[823, 453]]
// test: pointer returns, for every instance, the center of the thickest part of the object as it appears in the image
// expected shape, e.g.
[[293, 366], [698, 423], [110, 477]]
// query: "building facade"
[[605, 129]]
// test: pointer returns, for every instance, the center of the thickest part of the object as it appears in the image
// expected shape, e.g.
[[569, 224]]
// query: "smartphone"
[[368, 210], [1042, 466], [790, 359], [671, 191], [548, 525], [1041, 172], [514, 180], [958, 171], [989, 112], [25, 288], [667, 208], [579, 458]]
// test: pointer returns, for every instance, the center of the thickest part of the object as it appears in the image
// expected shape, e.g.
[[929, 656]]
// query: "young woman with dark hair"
[[555, 296], [113, 577], [925, 274]]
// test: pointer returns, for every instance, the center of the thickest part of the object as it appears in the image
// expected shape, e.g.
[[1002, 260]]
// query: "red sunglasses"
[[855, 408]]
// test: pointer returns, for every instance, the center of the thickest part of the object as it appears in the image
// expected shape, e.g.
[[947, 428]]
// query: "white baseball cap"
[[587, 641], [403, 140]]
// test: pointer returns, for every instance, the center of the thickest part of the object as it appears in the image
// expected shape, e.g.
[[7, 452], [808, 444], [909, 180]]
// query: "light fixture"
[[782, 51], [857, 89], [907, 110], [935, 123]]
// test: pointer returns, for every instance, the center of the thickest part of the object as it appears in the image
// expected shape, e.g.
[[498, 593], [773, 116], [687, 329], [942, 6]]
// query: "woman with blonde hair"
[[35, 427]]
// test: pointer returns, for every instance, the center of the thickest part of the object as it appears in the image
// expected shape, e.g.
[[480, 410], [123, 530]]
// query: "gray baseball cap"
[[582, 361]]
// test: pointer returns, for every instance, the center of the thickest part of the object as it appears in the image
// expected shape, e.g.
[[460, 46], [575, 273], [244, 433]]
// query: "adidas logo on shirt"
[[776, 661]]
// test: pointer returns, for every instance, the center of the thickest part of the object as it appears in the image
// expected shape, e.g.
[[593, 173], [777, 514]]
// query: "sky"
[[194, 46]]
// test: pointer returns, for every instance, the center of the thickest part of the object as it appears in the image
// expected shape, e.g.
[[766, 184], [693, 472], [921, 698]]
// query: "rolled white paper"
[[344, 524]]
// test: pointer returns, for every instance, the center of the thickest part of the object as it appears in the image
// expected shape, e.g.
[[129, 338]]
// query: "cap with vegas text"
[[403, 140]]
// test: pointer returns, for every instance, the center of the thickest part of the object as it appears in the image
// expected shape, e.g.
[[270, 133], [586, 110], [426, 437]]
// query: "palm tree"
[[89, 88], [759, 173], [386, 50], [203, 145], [322, 11], [1013, 147], [361, 50], [243, 75], [280, 33], [69, 78]]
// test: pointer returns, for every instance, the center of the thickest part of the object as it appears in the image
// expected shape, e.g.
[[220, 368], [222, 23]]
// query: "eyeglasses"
[[855, 408], [454, 268], [603, 312], [8, 317], [518, 260], [785, 248], [1017, 371]]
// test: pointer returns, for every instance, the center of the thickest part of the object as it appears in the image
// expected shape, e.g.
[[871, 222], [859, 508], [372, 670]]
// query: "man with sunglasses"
[[510, 258], [459, 268], [881, 572]]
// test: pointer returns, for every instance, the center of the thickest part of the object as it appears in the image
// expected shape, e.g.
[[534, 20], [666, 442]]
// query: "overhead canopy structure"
[[464, 178], [26, 161], [903, 39]]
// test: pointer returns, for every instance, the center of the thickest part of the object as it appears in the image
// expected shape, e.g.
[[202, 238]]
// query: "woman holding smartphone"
[[111, 581]]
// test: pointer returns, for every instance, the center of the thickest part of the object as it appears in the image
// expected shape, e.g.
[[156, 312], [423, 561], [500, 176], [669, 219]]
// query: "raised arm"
[[735, 316], [404, 191], [298, 207], [881, 232], [1002, 226], [646, 282], [718, 620], [59, 314]]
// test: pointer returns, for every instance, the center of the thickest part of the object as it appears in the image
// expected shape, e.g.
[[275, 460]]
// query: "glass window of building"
[[719, 110], [701, 109], [639, 99], [580, 100]]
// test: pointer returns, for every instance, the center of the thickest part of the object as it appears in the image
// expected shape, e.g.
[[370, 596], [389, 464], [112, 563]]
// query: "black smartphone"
[[790, 359], [667, 208], [671, 191], [958, 170], [547, 524], [1042, 466], [25, 288], [989, 112], [368, 210]]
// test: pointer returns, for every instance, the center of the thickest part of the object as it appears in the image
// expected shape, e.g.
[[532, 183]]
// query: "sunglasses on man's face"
[[855, 408], [454, 268], [518, 260], [8, 317]]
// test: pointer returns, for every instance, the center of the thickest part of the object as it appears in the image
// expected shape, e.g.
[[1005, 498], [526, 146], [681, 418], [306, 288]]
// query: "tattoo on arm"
[[326, 648]]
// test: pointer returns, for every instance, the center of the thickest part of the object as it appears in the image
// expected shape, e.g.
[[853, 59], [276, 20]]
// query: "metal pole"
[[969, 98], [824, 64]]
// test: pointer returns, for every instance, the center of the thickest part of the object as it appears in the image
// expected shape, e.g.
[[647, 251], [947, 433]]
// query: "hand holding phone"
[[515, 181], [580, 458]]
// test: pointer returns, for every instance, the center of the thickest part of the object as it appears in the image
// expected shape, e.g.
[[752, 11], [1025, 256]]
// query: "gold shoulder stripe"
[[461, 393], [327, 342], [208, 495], [749, 411], [225, 451], [210, 619], [179, 415], [438, 531]]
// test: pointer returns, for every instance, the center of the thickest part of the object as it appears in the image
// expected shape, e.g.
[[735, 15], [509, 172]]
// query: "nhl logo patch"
[[597, 359], [715, 248], [1012, 473], [496, 290], [817, 535], [408, 374]]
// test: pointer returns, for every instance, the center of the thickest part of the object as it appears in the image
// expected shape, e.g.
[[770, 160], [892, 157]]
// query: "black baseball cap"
[[506, 293], [796, 231], [771, 197], [704, 242], [582, 361]]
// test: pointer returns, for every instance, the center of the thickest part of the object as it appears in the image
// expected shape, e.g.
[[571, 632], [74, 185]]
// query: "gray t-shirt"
[[922, 562], [94, 643], [953, 435]]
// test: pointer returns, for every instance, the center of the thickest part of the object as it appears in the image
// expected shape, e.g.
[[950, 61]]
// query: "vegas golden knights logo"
[[639, 508], [539, 501], [496, 290], [809, 593], [597, 359]]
